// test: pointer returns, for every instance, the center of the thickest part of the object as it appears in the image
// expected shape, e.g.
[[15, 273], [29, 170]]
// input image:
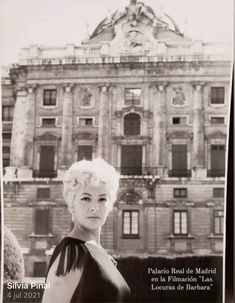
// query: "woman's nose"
[[95, 206]]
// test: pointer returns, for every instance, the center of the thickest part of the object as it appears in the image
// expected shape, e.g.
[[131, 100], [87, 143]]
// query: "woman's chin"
[[93, 223]]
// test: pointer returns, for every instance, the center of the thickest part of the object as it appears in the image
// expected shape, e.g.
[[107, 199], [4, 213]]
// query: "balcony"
[[216, 173], [179, 173], [44, 174], [137, 171]]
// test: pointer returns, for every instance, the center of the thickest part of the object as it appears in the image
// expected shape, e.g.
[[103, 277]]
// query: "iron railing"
[[216, 173], [137, 171], [179, 173], [44, 173]]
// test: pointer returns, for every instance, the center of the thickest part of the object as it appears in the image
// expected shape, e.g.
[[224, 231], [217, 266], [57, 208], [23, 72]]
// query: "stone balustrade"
[[85, 54]]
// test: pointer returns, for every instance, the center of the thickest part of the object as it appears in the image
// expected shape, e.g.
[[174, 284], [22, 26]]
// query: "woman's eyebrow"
[[86, 194], [103, 195]]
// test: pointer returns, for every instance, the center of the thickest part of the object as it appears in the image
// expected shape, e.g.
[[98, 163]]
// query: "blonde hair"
[[86, 172]]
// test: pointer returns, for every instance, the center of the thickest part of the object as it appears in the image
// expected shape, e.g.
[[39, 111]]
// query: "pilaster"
[[67, 128], [198, 126], [160, 127], [30, 125], [18, 142], [104, 123]]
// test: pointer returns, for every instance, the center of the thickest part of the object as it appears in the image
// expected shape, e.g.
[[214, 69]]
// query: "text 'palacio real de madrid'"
[[144, 97]]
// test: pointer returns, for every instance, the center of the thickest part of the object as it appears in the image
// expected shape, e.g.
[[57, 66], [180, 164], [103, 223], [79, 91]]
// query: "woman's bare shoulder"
[[69, 254]]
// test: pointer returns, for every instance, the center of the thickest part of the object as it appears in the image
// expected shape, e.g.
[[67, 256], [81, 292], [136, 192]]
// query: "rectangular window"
[[85, 121], [6, 136], [40, 269], [49, 97], [6, 149], [218, 222], [217, 95], [42, 221], [6, 162], [43, 192], [6, 156], [130, 225], [131, 159], [7, 113], [217, 161], [179, 120], [47, 162], [179, 160], [218, 192], [217, 120], [180, 192], [48, 122], [132, 96], [180, 222], [85, 152]]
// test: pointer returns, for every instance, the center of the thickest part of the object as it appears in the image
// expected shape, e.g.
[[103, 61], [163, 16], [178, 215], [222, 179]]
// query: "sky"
[[61, 22]]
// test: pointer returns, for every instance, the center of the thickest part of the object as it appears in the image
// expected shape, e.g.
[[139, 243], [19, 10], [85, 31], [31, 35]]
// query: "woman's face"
[[91, 206]]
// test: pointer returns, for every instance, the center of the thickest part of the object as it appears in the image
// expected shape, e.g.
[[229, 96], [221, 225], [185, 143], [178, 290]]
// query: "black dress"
[[100, 281]]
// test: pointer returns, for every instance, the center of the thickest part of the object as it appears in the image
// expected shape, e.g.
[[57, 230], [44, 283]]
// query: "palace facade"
[[144, 97]]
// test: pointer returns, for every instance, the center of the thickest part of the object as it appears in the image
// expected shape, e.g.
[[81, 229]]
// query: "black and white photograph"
[[115, 130]]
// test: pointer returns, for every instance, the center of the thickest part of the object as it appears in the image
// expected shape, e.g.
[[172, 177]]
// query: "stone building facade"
[[148, 100]]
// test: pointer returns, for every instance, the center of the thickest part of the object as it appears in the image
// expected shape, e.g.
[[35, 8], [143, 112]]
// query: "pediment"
[[216, 135], [48, 136]]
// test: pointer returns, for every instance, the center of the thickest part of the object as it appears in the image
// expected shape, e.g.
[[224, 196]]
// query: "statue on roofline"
[[134, 11]]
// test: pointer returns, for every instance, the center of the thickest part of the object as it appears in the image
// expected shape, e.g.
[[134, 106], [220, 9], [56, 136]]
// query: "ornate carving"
[[216, 135], [86, 97], [147, 114], [133, 109], [85, 136], [161, 86], [130, 197], [179, 98], [118, 139], [134, 11], [134, 39], [132, 183], [21, 90], [144, 140], [104, 88], [68, 87], [118, 114], [31, 88], [179, 135], [198, 85]]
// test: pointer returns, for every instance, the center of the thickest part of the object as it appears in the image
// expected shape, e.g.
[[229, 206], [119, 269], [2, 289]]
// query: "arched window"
[[132, 124]]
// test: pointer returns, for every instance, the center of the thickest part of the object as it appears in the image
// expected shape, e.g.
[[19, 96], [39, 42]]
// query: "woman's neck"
[[84, 234]]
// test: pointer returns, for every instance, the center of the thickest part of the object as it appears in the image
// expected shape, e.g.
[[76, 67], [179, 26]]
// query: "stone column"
[[18, 142], [30, 126], [104, 124], [160, 124], [198, 127], [67, 128]]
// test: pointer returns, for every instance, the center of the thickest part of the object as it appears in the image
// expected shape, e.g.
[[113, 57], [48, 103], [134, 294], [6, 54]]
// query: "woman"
[[80, 270]]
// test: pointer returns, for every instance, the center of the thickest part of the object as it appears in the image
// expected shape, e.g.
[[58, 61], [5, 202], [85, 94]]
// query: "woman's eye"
[[85, 199], [102, 200]]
